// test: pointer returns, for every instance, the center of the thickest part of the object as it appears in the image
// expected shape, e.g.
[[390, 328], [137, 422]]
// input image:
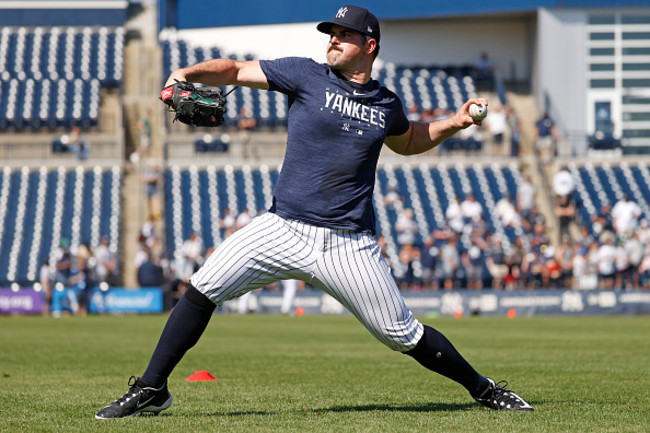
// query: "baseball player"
[[320, 226]]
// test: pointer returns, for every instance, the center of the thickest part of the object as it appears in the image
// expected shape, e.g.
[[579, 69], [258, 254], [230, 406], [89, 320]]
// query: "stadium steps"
[[134, 203], [141, 87], [526, 108]]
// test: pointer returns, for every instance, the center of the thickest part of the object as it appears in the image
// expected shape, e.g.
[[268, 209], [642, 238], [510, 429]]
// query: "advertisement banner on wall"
[[123, 301], [20, 302], [459, 302]]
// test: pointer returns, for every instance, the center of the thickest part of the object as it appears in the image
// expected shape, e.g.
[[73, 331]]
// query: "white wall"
[[461, 41], [561, 63], [453, 41]]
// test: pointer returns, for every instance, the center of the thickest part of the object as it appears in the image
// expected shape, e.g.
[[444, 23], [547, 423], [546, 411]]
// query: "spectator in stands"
[[584, 272], [565, 212], [644, 269], [526, 195], [392, 196], [106, 262], [635, 250], [495, 261], [622, 263], [406, 228], [552, 275], [228, 222], [644, 232], [148, 235], [507, 212], [606, 259], [603, 222], [150, 272], [243, 219], [152, 177], [63, 266], [405, 271], [564, 254], [530, 219], [450, 263], [584, 237], [79, 144], [539, 240], [625, 216], [563, 182], [515, 127], [454, 216], [246, 119], [192, 256], [533, 269], [429, 257], [61, 144], [484, 72], [472, 261], [496, 124], [142, 255], [513, 260], [80, 280], [470, 209], [479, 231], [545, 137]]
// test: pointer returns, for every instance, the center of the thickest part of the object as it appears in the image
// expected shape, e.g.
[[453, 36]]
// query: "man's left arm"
[[421, 136]]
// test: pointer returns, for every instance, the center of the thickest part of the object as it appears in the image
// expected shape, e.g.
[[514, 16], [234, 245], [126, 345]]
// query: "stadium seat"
[[42, 206], [37, 63]]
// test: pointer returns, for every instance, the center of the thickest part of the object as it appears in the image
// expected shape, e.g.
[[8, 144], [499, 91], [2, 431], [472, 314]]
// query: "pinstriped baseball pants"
[[344, 264]]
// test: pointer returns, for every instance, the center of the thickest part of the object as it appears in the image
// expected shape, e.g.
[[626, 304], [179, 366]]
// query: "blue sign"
[[122, 301]]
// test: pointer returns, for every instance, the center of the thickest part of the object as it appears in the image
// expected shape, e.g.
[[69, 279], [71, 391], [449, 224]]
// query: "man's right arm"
[[221, 72]]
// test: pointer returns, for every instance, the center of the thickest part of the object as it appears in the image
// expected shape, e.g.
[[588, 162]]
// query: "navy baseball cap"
[[355, 18]]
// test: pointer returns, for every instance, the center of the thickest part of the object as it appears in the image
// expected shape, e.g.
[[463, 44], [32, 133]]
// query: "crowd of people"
[[611, 251], [80, 269]]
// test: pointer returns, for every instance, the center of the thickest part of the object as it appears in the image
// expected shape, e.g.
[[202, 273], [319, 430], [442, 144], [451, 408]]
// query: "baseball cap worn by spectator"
[[355, 18]]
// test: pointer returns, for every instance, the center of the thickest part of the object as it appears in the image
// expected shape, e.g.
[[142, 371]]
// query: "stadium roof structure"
[[189, 14], [63, 12]]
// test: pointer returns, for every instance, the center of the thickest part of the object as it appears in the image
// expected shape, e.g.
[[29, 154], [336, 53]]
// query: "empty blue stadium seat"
[[40, 218]]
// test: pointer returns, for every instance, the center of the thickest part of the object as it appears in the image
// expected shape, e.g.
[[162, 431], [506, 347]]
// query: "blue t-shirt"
[[335, 134]]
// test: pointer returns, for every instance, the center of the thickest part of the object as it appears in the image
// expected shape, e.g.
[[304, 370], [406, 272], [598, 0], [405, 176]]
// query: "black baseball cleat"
[[497, 397], [139, 398]]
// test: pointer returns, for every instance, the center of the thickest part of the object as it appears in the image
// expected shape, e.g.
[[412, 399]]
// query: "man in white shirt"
[[563, 183], [625, 214]]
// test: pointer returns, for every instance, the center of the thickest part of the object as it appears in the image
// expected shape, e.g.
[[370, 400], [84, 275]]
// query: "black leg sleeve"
[[435, 352], [184, 327]]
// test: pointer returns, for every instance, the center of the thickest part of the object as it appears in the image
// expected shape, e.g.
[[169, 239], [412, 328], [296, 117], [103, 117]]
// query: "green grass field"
[[313, 374]]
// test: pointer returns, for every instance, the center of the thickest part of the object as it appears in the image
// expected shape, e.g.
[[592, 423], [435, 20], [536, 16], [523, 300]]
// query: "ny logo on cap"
[[341, 13]]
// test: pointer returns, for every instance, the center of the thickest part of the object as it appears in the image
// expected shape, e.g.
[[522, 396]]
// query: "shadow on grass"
[[425, 407]]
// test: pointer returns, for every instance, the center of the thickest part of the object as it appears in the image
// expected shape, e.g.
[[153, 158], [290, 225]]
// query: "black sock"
[[435, 352], [185, 325]]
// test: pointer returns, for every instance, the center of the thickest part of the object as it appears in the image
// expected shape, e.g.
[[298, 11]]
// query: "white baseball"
[[478, 112]]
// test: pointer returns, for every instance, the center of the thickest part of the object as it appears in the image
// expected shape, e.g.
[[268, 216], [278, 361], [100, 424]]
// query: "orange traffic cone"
[[200, 376]]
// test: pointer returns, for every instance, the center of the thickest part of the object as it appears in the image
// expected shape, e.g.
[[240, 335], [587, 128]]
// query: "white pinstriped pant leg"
[[353, 271], [263, 252], [346, 265]]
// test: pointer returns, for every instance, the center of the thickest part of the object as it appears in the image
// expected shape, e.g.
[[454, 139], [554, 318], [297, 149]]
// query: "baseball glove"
[[199, 106]]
